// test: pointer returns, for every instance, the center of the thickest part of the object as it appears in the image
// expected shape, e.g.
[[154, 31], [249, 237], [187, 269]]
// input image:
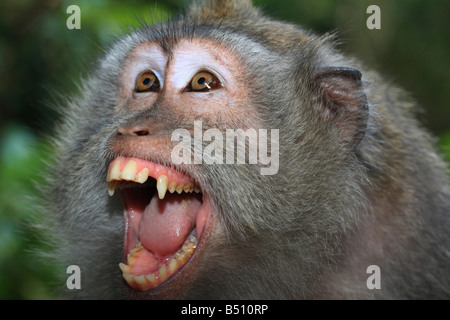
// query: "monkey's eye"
[[204, 81], [147, 81]]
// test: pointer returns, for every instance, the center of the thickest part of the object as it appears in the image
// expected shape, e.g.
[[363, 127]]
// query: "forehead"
[[196, 48], [185, 58], [164, 43]]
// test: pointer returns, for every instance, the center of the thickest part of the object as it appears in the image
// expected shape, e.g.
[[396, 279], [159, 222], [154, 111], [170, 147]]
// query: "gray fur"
[[309, 231]]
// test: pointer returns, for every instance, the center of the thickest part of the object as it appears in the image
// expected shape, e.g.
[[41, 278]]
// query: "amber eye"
[[147, 81], [204, 81]]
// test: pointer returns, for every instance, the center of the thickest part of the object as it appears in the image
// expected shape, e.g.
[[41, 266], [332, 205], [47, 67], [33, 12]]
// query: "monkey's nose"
[[134, 131]]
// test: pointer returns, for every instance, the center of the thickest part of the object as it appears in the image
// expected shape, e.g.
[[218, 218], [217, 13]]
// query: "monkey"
[[358, 182]]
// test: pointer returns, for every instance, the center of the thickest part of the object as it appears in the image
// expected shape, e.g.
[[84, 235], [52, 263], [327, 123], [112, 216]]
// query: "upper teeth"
[[129, 173], [161, 185]]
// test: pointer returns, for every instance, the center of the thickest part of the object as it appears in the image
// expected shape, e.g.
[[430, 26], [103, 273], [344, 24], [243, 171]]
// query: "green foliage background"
[[40, 59]]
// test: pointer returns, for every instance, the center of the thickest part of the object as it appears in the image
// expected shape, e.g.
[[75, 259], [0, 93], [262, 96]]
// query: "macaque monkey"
[[356, 181]]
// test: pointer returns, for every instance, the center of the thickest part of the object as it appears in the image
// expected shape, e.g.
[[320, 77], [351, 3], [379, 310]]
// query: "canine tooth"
[[161, 186], [179, 188], [163, 273], [196, 189], [173, 264], [172, 186], [142, 176], [151, 278], [114, 173], [125, 268], [129, 172], [111, 186]]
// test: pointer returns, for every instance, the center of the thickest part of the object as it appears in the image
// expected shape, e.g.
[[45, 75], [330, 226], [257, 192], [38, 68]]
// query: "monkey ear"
[[343, 102]]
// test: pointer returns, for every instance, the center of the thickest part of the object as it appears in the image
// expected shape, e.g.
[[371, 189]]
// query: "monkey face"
[[170, 209], [196, 229], [183, 229]]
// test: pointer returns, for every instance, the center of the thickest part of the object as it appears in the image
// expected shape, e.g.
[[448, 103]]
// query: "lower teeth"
[[169, 268]]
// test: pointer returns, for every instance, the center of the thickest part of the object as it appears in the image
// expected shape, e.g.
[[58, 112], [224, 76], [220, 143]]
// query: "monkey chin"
[[165, 218]]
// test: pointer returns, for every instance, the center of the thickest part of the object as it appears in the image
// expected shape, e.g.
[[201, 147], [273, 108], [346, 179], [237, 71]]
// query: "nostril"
[[141, 132], [133, 132]]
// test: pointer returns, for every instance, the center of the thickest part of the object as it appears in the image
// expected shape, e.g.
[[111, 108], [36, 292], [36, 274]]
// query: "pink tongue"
[[166, 223]]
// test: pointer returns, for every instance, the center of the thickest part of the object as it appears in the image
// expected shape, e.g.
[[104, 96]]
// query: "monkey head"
[[140, 223]]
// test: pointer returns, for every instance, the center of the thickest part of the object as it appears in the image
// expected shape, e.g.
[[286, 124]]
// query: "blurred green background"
[[40, 58]]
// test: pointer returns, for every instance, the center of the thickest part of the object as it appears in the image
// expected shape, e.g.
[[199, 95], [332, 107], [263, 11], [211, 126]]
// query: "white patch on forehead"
[[191, 57], [146, 57]]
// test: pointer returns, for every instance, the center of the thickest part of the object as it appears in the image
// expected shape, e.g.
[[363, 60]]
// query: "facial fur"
[[357, 183]]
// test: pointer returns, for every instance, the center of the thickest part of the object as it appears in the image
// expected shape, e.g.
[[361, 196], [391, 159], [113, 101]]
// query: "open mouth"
[[165, 214]]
